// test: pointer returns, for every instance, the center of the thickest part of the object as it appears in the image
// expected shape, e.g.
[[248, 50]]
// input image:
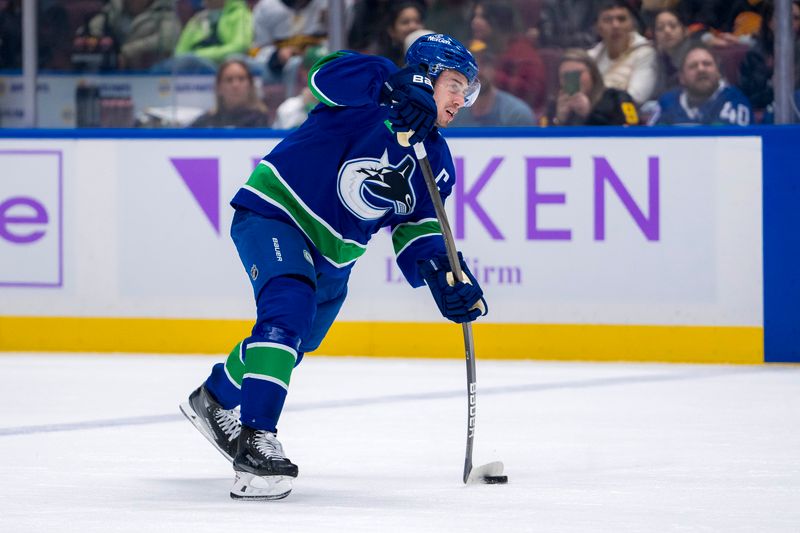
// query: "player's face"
[[614, 25], [449, 93], [700, 74], [669, 31], [234, 86]]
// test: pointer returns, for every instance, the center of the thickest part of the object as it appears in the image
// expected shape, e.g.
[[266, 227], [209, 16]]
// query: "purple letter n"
[[604, 173]]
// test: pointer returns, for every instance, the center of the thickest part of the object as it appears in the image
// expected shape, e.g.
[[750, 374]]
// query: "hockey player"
[[705, 98], [305, 216]]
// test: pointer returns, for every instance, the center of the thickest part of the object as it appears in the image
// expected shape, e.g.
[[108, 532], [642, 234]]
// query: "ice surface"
[[95, 443]]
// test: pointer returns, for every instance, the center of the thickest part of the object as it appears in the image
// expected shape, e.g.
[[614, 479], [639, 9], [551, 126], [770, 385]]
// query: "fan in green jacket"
[[223, 29]]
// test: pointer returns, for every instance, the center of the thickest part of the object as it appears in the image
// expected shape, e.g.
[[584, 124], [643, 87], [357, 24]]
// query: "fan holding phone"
[[584, 100], [572, 81]]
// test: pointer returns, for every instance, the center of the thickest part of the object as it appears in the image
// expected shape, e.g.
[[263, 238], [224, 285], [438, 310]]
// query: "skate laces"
[[228, 421], [266, 443]]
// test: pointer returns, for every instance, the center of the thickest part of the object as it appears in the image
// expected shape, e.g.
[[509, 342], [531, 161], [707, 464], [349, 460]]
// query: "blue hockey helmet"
[[440, 52]]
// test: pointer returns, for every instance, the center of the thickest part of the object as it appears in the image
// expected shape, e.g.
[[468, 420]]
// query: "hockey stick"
[[491, 472]]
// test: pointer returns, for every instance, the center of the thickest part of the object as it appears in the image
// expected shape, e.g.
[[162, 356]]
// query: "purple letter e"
[[39, 217], [534, 198]]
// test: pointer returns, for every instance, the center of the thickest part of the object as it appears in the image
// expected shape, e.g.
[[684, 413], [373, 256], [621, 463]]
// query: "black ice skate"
[[220, 426], [262, 470]]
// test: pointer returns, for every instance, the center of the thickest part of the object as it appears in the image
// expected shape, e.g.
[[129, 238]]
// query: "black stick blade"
[[479, 474]]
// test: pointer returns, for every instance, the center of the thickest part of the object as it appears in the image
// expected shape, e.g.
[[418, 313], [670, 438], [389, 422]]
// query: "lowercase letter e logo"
[[31, 218]]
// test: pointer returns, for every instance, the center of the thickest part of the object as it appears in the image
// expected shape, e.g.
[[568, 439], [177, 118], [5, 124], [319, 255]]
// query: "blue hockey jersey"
[[726, 107], [342, 176]]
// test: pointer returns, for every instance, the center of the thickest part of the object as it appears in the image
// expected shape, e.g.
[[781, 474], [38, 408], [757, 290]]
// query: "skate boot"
[[262, 470], [220, 426]]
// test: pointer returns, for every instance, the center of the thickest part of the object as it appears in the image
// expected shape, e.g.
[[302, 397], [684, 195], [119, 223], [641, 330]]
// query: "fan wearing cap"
[[305, 216]]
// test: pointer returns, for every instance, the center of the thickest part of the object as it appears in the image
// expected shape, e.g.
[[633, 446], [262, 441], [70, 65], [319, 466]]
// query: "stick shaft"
[[455, 267]]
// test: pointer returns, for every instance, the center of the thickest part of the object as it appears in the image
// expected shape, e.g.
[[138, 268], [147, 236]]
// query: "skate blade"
[[249, 486], [191, 415]]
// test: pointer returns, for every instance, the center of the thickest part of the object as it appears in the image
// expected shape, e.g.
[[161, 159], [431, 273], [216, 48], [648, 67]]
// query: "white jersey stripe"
[[262, 377], [230, 378]]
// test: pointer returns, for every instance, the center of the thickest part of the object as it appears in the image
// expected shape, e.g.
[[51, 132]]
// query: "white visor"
[[473, 90], [470, 91]]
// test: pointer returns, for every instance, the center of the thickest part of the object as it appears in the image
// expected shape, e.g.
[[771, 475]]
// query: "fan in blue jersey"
[[306, 215], [705, 98]]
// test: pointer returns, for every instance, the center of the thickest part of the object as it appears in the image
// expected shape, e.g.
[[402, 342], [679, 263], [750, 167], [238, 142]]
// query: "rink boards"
[[610, 248]]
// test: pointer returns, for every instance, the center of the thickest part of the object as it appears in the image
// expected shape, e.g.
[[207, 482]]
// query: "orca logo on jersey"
[[369, 188]]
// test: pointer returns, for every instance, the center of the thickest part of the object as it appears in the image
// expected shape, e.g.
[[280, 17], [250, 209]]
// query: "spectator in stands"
[[769, 113], [494, 107], [223, 29], [705, 98], [529, 13], [671, 39], [584, 100], [757, 67], [362, 34], [625, 58], [55, 35], [746, 20], [722, 23], [282, 31], [450, 17], [11, 34], [293, 111], [237, 104], [138, 33], [650, 10], [702, 14], [403, 18], [518, 68], [567, 23]]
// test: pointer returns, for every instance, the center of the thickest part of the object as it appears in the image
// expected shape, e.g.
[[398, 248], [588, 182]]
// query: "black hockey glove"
[[460, 302], [409, 92]]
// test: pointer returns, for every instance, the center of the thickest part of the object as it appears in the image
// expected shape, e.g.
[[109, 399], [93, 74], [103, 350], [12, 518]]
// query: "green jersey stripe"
[[269, 362], [404, 234], [266, 182], [273, 345], [312, 74], [234, 366]]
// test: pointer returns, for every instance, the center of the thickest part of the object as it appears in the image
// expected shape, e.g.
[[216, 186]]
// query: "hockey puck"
[[495, 480]]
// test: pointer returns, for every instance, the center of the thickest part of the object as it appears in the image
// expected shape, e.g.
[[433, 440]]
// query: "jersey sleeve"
[[663, 113], [347, 78], [421, 237]]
